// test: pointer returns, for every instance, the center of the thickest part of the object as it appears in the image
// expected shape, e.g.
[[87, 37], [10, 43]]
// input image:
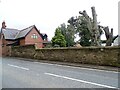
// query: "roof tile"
[[15, 34]]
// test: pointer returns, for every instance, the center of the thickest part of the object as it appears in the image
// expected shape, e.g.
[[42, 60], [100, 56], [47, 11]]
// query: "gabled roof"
[[13, 34], [24, 32], [10, 33]]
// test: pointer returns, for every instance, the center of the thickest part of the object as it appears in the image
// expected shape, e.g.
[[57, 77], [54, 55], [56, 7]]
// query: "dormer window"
[[44, 36], [34, 36]]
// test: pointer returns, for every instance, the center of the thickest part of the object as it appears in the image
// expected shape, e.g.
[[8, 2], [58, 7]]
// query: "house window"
[[34, 36]]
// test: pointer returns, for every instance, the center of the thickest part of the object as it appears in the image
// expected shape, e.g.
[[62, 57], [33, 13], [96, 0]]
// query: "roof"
[[13, 34], [10, 33], [43, 35], [24, 32]]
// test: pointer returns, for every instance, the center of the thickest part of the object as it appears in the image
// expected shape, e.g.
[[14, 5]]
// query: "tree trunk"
[[109, 36], [95, 27]]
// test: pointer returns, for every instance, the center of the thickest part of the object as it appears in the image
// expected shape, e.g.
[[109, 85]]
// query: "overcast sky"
[[47, 15]]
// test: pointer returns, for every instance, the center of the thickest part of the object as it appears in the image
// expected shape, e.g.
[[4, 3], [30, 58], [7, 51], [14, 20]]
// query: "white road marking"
[[87, 82], [79, 67], [91, 69], [18, 67], [59, 65], [44, 63]]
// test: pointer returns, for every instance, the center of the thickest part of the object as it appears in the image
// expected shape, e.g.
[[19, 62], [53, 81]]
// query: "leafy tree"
[[88, 30], [81, 28], [67, 32], [70, 35], [78, 26], [83, 32], [58, 39]]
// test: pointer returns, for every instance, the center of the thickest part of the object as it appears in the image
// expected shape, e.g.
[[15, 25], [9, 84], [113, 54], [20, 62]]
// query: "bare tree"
[[109, 36]]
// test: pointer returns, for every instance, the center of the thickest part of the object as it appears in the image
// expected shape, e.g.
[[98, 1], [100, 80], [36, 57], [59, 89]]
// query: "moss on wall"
[[109, 56]]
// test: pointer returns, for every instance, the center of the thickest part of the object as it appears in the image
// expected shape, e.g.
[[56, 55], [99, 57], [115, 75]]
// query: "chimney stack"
[[3, 25]]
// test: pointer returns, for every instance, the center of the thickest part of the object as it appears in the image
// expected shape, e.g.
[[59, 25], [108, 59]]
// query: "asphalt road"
[[25, 74]]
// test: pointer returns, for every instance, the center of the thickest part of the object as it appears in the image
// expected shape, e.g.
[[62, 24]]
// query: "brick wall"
[[0, 47], [0, 50], [5, 50], [22, 41], [37, 41], [109, 56]]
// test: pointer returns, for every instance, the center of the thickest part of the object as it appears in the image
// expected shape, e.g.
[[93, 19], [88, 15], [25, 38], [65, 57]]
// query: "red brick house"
[[27, 36]]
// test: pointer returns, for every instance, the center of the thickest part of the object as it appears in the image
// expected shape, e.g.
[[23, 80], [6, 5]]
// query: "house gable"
[[34, 37], [29, 35], [34, 27]]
